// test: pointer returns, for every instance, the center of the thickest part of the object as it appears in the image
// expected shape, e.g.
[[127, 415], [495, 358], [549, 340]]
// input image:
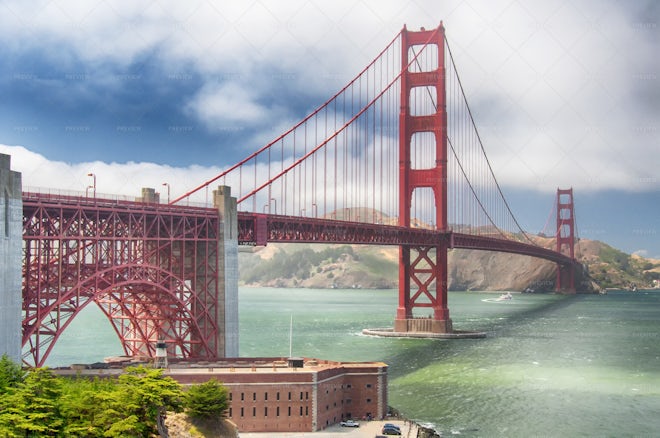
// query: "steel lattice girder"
[[301, 229], [289, 228], [152, 269]]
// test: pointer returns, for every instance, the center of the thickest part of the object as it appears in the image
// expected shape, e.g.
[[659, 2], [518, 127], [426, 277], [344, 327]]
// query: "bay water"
[[550, 366]]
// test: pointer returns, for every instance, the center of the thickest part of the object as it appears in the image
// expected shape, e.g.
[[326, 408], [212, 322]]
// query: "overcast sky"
[[565, 93]]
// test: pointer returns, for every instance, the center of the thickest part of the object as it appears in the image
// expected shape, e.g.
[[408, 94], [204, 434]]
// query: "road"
[[367, 429]]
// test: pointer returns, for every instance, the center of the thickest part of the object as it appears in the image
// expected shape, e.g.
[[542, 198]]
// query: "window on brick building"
[[254, 412], [242, 396], [301, 411], [289, 411], [266, 411], [301, 395], [277, 395], [306, 410], [368, 385], [289, 395], [265, 396], [306, 395], [254, 396], [277, 411], [230, 412], [368, 400], [242, 412]]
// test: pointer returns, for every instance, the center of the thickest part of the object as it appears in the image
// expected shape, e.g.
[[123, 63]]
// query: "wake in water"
[[502, 298]]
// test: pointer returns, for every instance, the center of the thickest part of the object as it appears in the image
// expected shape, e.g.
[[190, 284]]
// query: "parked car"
[[390, 431], [393, 426], [350, 423]]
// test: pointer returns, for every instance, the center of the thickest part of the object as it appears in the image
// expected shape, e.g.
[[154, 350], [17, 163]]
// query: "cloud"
[[112, 179], [564, 94], [228, 106]]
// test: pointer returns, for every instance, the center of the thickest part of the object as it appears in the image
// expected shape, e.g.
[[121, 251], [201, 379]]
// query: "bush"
[[207, 400]]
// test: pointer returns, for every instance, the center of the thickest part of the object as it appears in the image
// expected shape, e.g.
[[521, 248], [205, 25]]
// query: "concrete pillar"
[[149, 196], [228, 266], [11, 243]]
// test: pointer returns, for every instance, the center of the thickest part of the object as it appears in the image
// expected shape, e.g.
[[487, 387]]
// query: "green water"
[[551, 365]]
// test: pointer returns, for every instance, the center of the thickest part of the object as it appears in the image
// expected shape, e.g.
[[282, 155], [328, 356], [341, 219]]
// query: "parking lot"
[[367, 429]]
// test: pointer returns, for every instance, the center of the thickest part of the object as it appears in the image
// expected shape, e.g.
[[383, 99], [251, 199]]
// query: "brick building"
[[294, 395]]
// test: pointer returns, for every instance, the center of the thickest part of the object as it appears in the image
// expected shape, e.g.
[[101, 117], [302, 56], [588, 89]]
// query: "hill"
[[376, 267]]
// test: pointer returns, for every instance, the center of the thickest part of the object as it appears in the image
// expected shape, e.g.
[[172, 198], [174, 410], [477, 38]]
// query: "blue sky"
[[564, 93]]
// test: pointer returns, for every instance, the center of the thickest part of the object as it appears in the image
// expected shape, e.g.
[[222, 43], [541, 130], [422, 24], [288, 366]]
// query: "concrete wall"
[[11, 242], [228, 265]]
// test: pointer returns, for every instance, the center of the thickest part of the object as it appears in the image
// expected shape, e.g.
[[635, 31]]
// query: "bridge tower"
[[565, 240], [423, 269]]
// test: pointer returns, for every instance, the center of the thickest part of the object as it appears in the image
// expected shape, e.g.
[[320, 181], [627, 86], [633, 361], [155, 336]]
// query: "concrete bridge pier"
[[228, 271], [11, 241]]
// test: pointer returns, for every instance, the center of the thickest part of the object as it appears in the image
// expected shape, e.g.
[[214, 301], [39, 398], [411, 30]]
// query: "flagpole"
[[291, 337]]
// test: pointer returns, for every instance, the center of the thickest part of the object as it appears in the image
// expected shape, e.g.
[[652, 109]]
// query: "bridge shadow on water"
[[420, 353]]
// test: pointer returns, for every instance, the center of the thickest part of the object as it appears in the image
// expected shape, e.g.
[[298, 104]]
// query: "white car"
[[349, 423]]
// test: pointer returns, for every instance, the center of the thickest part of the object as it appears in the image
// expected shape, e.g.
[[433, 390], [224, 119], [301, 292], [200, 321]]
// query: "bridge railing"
[[45, 193]]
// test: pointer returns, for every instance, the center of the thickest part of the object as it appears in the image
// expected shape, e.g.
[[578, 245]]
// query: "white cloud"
[[124, 179], [566, 78], [227, 106]]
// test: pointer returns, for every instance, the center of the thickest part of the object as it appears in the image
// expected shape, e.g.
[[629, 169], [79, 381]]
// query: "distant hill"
[[376, 267]]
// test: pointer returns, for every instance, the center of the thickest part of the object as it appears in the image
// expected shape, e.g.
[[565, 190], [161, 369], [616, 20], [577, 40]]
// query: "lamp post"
[[168, 191], [93, 186]]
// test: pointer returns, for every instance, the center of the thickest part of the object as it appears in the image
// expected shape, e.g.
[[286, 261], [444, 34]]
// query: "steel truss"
[[152, 269]]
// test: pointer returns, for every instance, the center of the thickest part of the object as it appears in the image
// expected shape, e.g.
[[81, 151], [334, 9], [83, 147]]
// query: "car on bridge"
[[349, 423]]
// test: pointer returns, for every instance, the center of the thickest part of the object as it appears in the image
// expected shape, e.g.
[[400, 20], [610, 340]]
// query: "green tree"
[[31, 409], [89, 407], [11, 374], [207, 400], [145, 394]]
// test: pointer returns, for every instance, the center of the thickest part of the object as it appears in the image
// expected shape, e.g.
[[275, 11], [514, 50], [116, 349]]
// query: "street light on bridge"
[[275, 201], [168, 191], [93, 186]]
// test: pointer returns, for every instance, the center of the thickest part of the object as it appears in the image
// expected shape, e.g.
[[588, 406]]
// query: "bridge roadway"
[[259, 229]]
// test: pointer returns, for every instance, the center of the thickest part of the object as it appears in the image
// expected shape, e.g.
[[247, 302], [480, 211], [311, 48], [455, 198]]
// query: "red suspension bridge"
[[394, 158]]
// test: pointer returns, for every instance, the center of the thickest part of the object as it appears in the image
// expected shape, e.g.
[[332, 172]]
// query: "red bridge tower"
[[423, 269], [565, 240]]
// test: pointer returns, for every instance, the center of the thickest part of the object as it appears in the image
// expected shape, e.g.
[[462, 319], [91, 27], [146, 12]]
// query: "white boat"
[[506, 296]]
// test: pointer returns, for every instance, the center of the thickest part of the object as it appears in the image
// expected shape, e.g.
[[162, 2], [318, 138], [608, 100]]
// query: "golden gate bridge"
[[394, 158]]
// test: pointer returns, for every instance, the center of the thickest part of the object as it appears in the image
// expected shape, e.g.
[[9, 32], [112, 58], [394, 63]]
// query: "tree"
[[89, 407], [144, 393], [31, 409], [11, 374], [207, 400]]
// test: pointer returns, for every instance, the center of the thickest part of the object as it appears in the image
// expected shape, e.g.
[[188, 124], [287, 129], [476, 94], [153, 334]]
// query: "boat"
[[506, 296]]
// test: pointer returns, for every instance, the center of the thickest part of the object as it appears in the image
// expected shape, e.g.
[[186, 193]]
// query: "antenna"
[[291, 337]]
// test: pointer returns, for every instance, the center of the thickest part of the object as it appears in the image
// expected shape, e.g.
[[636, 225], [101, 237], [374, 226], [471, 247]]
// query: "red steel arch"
[[153, 270]]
